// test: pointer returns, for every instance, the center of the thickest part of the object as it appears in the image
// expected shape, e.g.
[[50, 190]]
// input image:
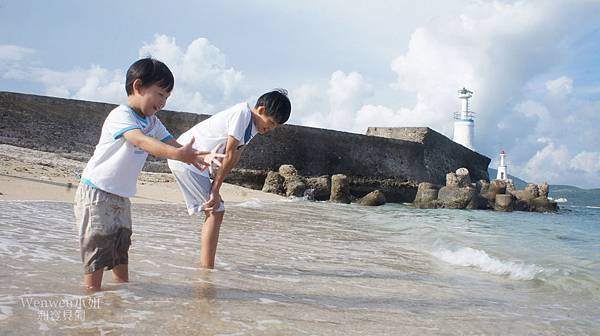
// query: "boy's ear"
[[137, 86], [261, 110]]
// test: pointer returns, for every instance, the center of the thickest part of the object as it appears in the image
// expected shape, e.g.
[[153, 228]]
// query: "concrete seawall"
[[441, 155], [396, 166]]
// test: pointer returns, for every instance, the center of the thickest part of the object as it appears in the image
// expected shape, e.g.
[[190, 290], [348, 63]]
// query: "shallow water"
[[295, 267]]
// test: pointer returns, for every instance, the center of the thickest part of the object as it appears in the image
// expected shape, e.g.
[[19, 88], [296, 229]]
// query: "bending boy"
[[233, 128]]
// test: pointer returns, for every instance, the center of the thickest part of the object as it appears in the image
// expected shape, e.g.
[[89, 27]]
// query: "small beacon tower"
[[502, 172], [464, 126]]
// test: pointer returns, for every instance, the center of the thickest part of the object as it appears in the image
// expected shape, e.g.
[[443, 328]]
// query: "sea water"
[[294, 267]]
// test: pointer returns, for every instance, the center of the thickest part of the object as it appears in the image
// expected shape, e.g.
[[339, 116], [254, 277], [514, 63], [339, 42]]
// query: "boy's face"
[[263, 122], [151, 99]]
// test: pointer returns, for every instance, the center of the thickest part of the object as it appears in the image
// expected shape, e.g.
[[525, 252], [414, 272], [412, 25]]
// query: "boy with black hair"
[[129, 133], [233, 128]]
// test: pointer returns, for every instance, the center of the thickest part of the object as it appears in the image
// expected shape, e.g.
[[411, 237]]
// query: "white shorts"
[[195, 188]]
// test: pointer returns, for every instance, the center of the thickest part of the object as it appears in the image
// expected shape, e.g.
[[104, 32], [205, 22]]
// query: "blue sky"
[[533, 65]]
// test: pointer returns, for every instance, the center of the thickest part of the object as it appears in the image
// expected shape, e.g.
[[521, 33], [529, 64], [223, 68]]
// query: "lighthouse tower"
[[464, 126], [502, 171]]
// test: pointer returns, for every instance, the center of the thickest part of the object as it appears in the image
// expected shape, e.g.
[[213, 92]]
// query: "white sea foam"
[[561, 200], [294, 199], [5, 312], [276, 278], [184, 267], [254, 204], [592, 207], [151, 262], [479, 259]]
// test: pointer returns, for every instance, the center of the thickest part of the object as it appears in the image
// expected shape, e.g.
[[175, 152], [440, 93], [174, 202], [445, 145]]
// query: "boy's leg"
[[83, 199], [93, 281], [121, 248], [104, 222], [121, 273], [196, 191], [210, 238]]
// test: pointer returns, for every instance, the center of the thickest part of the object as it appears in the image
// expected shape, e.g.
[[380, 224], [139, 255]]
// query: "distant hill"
[[575, 195]]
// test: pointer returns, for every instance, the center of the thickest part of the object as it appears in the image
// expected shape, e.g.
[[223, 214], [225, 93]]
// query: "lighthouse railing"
[[459, 115]]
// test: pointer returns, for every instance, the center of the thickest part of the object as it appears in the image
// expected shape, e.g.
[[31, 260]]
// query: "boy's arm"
[[232, 156], [167, 150], [173, 143]]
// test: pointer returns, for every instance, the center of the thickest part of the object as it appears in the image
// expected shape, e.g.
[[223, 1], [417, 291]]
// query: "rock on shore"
[[460, 193]]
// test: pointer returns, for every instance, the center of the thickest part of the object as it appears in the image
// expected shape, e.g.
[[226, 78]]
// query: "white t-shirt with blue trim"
[[235, 121], [117, 163]]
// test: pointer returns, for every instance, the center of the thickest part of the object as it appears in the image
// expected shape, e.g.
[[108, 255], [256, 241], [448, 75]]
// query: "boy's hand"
[[188, 154], [214, 158], [213, 201]]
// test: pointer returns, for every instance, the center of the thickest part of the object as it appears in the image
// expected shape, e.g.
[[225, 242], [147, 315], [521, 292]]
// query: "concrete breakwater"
[[71, 128]]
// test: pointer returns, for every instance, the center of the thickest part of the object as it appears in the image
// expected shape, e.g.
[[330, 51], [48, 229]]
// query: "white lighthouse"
[[464, 126], [502, 171]]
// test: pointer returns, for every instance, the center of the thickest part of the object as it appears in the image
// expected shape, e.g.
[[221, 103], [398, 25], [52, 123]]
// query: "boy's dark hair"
[[277, 105], [149, 71]]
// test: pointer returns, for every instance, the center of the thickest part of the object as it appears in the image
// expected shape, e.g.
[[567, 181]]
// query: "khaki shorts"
[[104, 223]]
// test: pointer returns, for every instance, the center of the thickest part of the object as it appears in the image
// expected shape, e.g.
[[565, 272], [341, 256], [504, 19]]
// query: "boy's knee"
[[214, 212]]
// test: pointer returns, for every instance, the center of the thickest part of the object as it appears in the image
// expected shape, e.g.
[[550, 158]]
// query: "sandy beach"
[[27, 174]]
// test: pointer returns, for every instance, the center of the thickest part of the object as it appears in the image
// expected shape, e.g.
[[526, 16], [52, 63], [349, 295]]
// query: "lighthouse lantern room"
[[464, 125]]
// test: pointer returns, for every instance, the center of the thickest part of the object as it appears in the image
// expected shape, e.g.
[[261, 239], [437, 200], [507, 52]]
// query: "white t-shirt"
[[235, 121], [116, 163]]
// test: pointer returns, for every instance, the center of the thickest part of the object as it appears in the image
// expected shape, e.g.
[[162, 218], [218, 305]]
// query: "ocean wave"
[[479, 259], [294, 199]]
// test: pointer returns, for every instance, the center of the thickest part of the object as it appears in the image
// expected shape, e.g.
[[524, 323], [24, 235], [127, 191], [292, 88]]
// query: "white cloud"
[[434, 70], [548, 163], [538, 119], [163, 48], [555, 164], [530, 108], [499, 50], [14, 53], [480, 50], [381, 116], [94, 83], [11, 58], [560, 86], [309, 102], [588, 162], [502, 63], [347, 93], [204, 83], [333, 105]]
